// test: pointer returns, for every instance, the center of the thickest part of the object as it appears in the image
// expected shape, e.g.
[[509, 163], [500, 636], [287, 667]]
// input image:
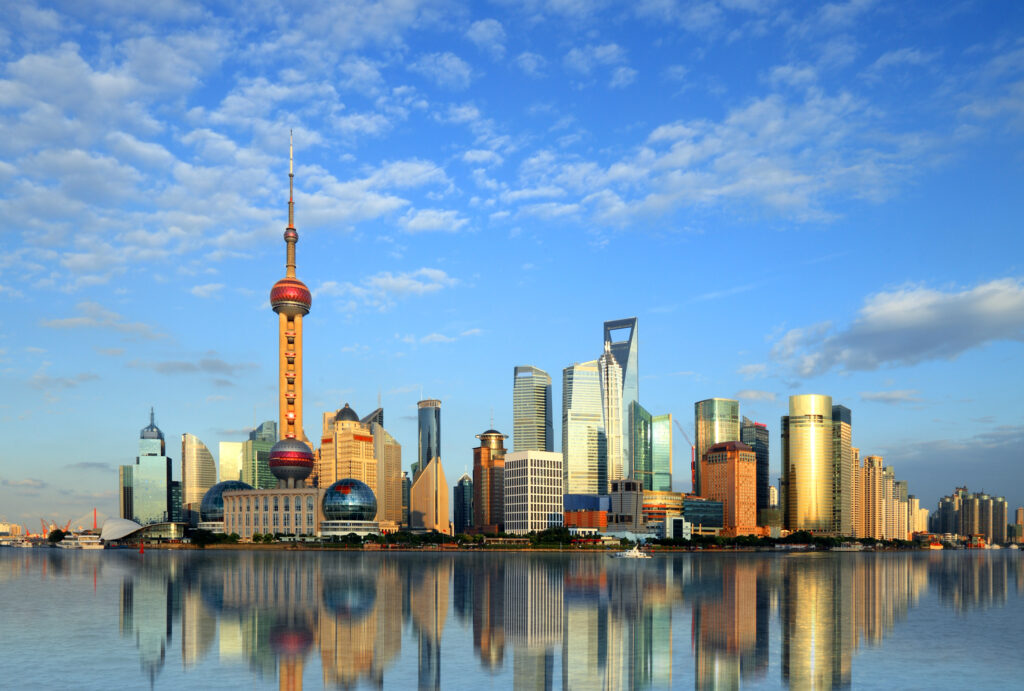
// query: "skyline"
[[780, 196]]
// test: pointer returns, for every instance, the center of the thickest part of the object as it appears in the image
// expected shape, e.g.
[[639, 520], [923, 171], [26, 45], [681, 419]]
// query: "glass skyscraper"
[[198, 470], [531, 410], [626, 353], [463, 504], [151, 500], [429, 439], [611, 406], [807, 462], [583, 437], [641, 437], [661, 452], [256, 456], [755, 435], [716, 420], [843, 471]]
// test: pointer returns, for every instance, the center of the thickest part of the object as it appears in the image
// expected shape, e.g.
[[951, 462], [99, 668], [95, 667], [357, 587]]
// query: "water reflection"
[[528, 620]]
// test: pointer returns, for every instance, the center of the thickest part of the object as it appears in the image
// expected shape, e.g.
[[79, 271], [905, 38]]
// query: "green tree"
[[55, 536]]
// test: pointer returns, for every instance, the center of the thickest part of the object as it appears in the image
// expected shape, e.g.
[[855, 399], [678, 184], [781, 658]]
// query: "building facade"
[[584, 444], [428, 441], [623, 340], [256, 456], [230, 455], [533, 491], [462, 504], [149, 499], [716, 420], [755, 435], [661, 452], [488, 482], [346, 450], [428, 500], [198, 474], [274, 511], [532, 428], [730, 476], [641, 445], [610, 374], [843, 471], [807, 463], [388, 453]]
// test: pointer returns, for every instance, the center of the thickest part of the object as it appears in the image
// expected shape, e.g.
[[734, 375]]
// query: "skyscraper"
[[626, 352], [291, 459], [198, 474], [873, 499], [230, 455], [807, 462], [488, 482], [428, 500], [462, 499], [151, 500], [584, 445], [641, 447], [755, 435], [716, 420], [612, 408], [661, 452], [388, 453], [346, 450], [429, 436], [843, 470], [730, 476], [531, 410], [533, 491], [256, 456]]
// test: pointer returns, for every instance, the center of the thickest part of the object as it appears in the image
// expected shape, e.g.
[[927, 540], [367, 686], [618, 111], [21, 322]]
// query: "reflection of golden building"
[[428, 605], [198, 628]]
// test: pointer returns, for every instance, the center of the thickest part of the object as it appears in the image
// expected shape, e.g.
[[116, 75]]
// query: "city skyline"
[[148, 206]]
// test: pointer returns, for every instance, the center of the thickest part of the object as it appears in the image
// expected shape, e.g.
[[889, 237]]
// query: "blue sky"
[[791, 198]]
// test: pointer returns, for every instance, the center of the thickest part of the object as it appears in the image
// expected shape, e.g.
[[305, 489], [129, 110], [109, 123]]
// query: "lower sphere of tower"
[[291, 459]]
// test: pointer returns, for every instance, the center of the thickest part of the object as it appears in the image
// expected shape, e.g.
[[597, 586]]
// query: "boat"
[[634, 553], [848, 547], [935, 545], [1013, 547]]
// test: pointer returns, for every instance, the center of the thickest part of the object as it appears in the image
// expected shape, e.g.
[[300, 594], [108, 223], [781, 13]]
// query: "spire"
[[291, 181], [152, 421]]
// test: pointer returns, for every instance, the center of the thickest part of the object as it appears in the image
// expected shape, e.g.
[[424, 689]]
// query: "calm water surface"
[[227, 619]]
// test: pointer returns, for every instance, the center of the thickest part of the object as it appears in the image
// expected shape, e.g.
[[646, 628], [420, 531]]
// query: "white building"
[[533, 491]]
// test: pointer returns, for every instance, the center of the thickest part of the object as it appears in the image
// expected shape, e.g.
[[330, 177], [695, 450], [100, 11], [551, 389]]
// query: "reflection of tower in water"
[[488, 614], [428, 604], [533, 620], [149, 602]]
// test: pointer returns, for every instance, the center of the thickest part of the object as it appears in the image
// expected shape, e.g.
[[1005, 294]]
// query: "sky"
[[790, 197]]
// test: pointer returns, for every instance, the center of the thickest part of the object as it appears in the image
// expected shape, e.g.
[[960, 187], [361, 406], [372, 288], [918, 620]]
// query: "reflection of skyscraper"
[[584, 445], [815, 651], [198, 628], [147, 613], [716, 420], [533, 621], [626, 351], [531, 410], [428, 604], [725, 624], [489, 614], [807, 462]]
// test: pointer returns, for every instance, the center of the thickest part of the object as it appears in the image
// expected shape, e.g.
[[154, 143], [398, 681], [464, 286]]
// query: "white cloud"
[[207, 290], [423, 220], [586, 58], [444, 69], [489, 36], [96, 316], [622, 77], [384, 289], [753, 370], [755, 395], [437, 338], [907, 326], [912, 57], [483, 157], [531, 63], [891, 397]]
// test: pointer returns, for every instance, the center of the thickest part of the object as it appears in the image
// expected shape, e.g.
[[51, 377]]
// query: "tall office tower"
[[198, 474], [231, 455], [462, 497], [151, 500], [124, 491], [388, 453], [807, 462], [346, 450], [624, 342], [175, 512], [406, 491], [716, 420], [291, 459], [641, 446], [858, 493], [488, 482], [429, 435], [531, 410], [1000, 516], [873, 502], [773, 496], [256, 456], [970, 515], [612, 409], [428, 500], [755, 435], [889, 502], [533, 491], [1019, 516], [661, 452], [730, 476], [584, 445], [842, 471]]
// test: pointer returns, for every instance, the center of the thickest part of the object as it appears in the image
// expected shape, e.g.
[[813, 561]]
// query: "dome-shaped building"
[[211, 509], [291, 461], [349, 506]]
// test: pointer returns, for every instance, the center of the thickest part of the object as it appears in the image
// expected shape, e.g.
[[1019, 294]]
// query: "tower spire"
[[291, 236], [151, 417]]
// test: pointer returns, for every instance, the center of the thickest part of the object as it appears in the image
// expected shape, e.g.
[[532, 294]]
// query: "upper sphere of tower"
[[291, 296], [290, 234]]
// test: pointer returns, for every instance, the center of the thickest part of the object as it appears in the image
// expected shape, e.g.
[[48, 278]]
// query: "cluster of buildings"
[[977, 518], [613, 474]]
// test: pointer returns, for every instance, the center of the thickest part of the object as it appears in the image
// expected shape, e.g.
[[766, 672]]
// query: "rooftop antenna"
[[492, 417], [378, 397]]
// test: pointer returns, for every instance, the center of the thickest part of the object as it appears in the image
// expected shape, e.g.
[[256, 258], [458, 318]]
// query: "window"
[[275, 520], [287, 518], [275, 505], [264, 503], [309, 503], [286, 507]]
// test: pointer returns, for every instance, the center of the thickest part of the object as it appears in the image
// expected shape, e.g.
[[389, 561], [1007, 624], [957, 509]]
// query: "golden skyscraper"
[[807, 462]]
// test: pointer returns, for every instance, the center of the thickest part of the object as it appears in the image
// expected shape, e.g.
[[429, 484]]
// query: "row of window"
[[254, 503], [269, 520]]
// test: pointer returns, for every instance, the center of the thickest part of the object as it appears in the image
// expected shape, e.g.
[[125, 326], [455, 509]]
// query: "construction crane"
[[693, 462]]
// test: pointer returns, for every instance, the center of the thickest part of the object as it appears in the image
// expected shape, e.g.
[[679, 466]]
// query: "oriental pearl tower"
[[291, 459]]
